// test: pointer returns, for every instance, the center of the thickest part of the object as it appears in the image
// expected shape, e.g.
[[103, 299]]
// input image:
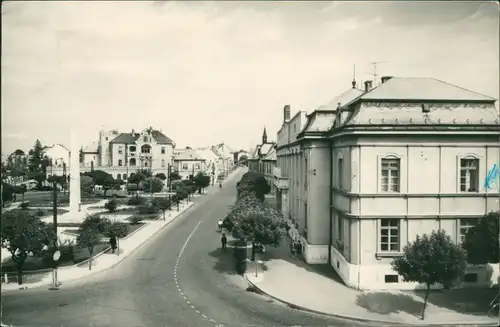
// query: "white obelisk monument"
[[74, 182]]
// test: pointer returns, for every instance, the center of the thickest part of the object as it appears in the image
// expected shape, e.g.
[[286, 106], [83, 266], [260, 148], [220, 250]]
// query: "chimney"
[[385, 79], [133, 132], [286, 113], [368, 86], [353, 84]]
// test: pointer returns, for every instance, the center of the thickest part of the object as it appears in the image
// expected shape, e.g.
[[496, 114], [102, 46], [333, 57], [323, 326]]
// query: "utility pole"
[[56, 254], [374, 74]]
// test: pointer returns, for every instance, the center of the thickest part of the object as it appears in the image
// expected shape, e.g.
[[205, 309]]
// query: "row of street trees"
[[251, 219]]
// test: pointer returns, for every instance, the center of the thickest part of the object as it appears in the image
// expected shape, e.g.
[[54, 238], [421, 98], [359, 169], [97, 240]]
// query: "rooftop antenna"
[[354, 77], [374, 74]]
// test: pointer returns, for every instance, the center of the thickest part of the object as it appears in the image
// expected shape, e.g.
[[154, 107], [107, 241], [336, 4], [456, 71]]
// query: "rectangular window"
[[340, 228], [120, 149], [390, 175], [184, 166], [197, 167], [341, 172], [162, 150], [389, 235], [469, 181], [465, 225]]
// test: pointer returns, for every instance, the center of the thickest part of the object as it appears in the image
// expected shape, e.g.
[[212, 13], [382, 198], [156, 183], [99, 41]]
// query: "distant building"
[[122, 154], [187, 163], [226, 156], [58, 154], [263, 160]]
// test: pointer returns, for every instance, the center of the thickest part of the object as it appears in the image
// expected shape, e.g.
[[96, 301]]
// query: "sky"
[[208, 72]]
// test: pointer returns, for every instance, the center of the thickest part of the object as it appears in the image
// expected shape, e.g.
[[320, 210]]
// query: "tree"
[[430, 260], [202, 180], [102, 178], [161, 176], [164, 204], [23, 233], [174, 176], [90, 233], [7, 192], [153, 185], [253, 182], [22, 190], [482, 242], [86, 185], [35, 157], [118, 230], [111, 205]]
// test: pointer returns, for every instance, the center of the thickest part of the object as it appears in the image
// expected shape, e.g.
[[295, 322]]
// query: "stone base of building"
[[374, 277], [314, 254]]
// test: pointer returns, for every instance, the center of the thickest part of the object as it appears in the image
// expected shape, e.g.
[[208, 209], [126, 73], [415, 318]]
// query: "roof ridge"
[[462, 88]]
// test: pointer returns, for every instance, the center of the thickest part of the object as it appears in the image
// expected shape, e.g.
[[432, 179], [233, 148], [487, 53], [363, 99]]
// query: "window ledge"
[[388, 254]]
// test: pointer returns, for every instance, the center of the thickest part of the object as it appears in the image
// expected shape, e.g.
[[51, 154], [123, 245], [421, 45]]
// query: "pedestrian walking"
[[223, 241], [299, 248], [293, 245], [112, 242], [220, 185]]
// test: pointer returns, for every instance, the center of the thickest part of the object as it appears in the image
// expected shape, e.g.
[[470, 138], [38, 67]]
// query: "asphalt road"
[[178, 278]]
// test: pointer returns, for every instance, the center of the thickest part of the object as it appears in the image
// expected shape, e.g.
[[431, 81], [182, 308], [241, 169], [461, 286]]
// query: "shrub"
[[147, 209], [135, 201], [111, 205], [135, 220], [24, 205]]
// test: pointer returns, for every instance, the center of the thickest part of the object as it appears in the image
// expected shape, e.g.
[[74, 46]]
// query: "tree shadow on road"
[[387, 303], [225, 262]]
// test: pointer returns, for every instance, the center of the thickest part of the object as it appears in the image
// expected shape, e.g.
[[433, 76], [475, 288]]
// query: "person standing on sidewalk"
[[223, 240], [112, 242]]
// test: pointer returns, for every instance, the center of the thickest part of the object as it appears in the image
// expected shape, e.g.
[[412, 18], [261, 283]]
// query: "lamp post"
[[56, 254]]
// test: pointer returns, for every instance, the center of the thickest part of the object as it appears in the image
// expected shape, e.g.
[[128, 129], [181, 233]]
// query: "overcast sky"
[[211, 72]]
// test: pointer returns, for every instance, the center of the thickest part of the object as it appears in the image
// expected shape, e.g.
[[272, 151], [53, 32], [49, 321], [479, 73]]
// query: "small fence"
[[29, 276]]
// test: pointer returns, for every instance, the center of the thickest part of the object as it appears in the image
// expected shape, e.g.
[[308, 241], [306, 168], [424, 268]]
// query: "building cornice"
[[415, 195]]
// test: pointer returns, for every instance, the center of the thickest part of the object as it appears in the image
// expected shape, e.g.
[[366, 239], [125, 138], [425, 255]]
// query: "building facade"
[[58, 155], [399, 160], [121, 154], [263, 160], [187, 163]]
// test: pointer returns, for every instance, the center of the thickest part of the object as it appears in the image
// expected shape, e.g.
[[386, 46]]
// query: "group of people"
[[296, 248]]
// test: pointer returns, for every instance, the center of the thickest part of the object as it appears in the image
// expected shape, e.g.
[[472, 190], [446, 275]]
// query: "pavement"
[[279, 273], [179, 277]]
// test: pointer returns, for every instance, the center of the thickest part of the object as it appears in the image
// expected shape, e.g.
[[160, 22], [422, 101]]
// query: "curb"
[[387, 322]]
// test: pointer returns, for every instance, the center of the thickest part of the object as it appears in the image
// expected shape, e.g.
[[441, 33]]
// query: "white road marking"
[[176, 280]]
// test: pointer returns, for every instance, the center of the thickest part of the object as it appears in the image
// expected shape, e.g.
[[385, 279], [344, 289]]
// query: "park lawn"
[[146, 216], [61, 201]]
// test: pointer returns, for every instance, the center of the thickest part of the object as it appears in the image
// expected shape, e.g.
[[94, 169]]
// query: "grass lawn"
[[146, 216], [39, 263], [41, 212]]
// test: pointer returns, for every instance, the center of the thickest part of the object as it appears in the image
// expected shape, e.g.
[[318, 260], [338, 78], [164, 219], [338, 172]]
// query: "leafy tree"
[[23, 233], [153, 185], [86, 185], [252, 221], [102, 178], [90, 233], [118, 230], [482, 241], [161, 176], [174, 176], [253, 182], [430, 260], [111, 205], [202, 180], [181, 192]]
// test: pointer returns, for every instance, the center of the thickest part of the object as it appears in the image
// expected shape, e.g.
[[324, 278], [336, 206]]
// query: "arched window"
[[163, 162], [145, 148], [119, 176], [145, 139], [120, 162], [132, 148], [145, 163], [124, 176], [132, 162]]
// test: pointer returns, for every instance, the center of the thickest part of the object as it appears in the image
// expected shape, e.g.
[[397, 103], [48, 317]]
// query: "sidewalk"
[[318, 288], [106, 260]]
